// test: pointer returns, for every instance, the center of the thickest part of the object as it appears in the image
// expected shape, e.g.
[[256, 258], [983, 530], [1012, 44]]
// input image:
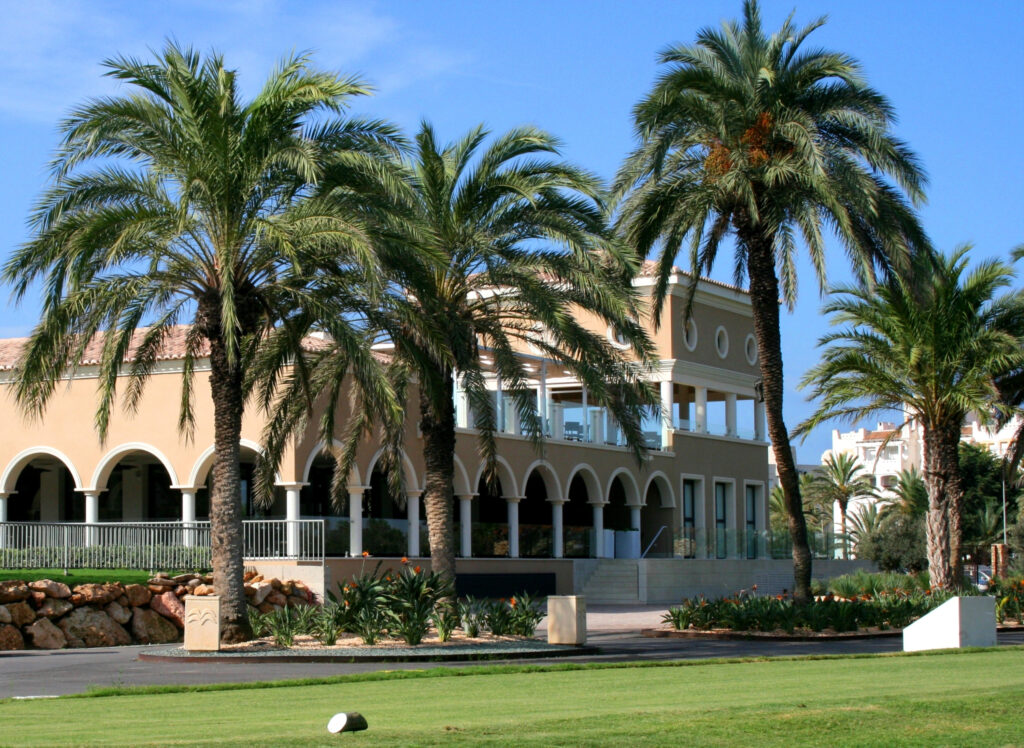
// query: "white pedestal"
[[627, 544], [958, 622], [567, 619]]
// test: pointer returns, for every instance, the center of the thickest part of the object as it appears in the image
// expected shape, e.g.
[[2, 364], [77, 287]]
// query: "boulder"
[[5, 615], [181, 590], [161, 575], [137, 595], [118, 612], [13, 591], [149, 627], [276, 598], [184, 578], [89, 627], [287, 588], [248, 576], [10, 638], [295, 601], [275, 583], [159, 581], [21, 613], [265, 607], [193, 583], [169, 606], [76, 599], [203, 589], [36, 598], [97, 594], [45, 635], [51, 588], [123, 601], [256, 578], [54, 608], [261, 590]]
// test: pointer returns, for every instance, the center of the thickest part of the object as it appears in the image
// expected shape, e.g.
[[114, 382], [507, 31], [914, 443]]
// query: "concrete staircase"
[[613, 582]]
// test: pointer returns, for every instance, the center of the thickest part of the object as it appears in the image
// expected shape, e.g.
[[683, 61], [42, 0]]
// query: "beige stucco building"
[[700, 496]]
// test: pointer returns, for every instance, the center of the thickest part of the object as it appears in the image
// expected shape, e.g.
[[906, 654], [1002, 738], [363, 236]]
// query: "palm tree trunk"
[[764, 299], [942, 476], [842, 529], [438, 426], [226, 499]]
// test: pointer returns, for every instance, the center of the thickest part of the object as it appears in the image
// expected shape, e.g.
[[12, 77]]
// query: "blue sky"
[[575, 68]]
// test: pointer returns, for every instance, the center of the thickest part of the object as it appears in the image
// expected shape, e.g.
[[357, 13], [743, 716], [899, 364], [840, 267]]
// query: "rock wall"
[[47, 614]]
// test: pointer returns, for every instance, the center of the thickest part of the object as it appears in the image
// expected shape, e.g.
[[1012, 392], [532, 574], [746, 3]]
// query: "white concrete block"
[[567, 619], [958, 622]]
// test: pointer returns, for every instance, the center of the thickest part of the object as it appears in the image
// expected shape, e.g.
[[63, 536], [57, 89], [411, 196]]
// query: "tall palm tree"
[[930, 344], [523, 242], [911, 495], [865, 524], [755, 136], [842, 480], [180, 202]]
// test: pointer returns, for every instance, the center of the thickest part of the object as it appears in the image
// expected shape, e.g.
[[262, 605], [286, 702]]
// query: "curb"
[[321, 656]]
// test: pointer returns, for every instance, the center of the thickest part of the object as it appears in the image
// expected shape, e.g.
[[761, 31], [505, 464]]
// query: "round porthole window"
[[690, 335], [617, 338], [750, 349], [722, 342]]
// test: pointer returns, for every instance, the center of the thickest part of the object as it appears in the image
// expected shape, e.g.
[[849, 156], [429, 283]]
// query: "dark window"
[[689, 519], [720, 509], [751, 521]]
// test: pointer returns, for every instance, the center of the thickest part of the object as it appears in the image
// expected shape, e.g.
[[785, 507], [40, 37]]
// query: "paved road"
[[39, 673]]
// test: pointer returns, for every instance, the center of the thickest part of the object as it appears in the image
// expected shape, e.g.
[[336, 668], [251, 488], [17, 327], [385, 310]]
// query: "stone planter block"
[[202, 623], [958, 622], [567, 619]]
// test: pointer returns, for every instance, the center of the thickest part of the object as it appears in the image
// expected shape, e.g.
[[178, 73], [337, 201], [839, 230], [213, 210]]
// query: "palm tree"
[[911, 495], [842, 480], [931, 345], [179, 202], [491, 212], [752, 135], [865, 523]]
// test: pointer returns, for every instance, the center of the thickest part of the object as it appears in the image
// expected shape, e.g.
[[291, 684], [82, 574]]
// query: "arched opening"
[[138, 489], [578, 517], [385, 523], [656, 522], [251, 508], [45, 493], [535, 539], [616, 511], [490, 520], [315, 503]]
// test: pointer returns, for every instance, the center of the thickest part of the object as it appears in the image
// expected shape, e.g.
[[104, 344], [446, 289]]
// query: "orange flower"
[[512, 602], [753, 587], [366, 554], [405, 560], [416, 570]]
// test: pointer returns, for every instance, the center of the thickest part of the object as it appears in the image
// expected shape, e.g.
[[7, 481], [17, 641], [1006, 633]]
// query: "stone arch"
[[203, 465], [550, 477], [111, 458], [23, 458], [668, 497], [462, 486], [509, 485], [411, 481], [355, 478], [589, 477], [629, 485]]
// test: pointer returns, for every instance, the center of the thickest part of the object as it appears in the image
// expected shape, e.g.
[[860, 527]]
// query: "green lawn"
[[78, 576], [970, 698]]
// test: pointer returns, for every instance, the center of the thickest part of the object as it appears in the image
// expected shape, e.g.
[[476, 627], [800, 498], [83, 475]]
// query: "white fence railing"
[[150, 545]]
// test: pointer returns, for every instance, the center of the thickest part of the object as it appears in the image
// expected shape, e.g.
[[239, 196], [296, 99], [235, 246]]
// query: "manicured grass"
[[78, 576], [963, 699]]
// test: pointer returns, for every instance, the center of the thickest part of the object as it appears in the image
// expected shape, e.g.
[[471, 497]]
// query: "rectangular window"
[[720, 520], [689, 519], [751, 521]]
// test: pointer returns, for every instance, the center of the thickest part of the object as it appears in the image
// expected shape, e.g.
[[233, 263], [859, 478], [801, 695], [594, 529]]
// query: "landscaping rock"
[[275, 583], [159, 581], [181, 590], [203, 589], [51, 588], [54, 608], [169, 606], [89, 627], [11, 638], [98, 594], [149, 627], [287, 588], [45, 635], [13, 591], [36, 598], [295, 601], [265, 607], [123, 601], [183, 578], [276, 598], [193, 583], [137, 595], [76, 599], [262, 589], [118, 612], [5, 615], [21, 613], [248, 576]]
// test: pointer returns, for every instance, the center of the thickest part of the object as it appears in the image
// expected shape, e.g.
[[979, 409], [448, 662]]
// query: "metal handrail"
[[654, 540]]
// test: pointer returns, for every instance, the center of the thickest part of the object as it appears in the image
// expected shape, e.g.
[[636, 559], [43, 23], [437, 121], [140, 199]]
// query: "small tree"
[[842, 481]]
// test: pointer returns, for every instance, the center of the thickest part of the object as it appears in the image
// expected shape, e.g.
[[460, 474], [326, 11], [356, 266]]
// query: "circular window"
[[617, 338], [750, 348], [690, 335], [722, 342]]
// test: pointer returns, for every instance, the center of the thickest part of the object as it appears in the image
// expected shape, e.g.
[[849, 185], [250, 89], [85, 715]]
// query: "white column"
[[730, 414], [634, 518], [292, 514], [92, 515], [466, 524], [557, 421], [700, 409], [598, 510], [499, 406], [759, 421], [557, 530], [542, 398], [666, 414], [412, 507], [597, 421], [3, 518], [513, 525], [355, 520], [586, 417], [188, 516], [511, 417]]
